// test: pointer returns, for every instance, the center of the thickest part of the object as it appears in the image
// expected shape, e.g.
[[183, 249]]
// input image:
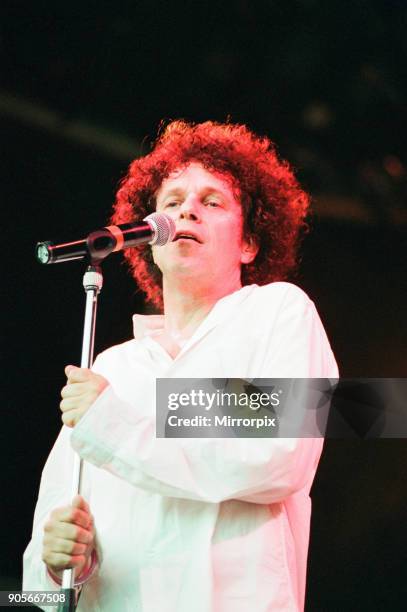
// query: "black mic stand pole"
[[92, 283]]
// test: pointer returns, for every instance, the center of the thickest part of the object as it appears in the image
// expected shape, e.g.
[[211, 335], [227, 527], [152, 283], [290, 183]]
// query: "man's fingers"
[[74, 390], [55, 559], [58, 561], [69, 403], [70, 418], [82, 389], [76, 403], [78, 515], [68, 547], [80, 502], [75, 374], [68, 368], [69, 536], [67, 531]]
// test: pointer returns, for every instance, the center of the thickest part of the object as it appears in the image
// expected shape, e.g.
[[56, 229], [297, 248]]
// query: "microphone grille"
[[163, 227]]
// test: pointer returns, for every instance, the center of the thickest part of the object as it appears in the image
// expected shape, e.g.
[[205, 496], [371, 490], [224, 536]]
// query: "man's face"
[[208, 244]]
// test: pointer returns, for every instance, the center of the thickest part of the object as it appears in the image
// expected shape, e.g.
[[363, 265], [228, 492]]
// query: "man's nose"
[[189, 208]]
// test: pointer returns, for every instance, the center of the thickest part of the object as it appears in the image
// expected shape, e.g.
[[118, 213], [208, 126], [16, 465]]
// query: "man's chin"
[[186, 269]]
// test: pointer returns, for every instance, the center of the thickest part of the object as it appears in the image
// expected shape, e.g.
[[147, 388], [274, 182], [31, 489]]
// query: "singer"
[[174, 525]]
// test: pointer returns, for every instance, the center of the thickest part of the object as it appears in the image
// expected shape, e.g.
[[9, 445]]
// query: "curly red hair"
[[273, 204]]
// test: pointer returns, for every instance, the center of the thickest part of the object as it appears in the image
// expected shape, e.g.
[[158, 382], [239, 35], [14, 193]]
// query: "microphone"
[[158, 229]]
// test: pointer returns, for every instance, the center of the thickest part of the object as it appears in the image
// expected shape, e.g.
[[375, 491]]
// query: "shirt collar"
[[147, 325], [153, 325]]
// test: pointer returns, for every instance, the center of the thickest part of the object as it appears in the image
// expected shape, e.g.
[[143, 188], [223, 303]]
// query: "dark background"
[[84, 87]]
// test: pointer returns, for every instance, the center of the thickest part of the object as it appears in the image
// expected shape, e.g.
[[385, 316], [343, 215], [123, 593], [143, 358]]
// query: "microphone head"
[[163, 227]]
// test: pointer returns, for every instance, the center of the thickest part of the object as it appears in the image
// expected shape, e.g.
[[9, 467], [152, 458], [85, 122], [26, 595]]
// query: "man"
[[180, 524]]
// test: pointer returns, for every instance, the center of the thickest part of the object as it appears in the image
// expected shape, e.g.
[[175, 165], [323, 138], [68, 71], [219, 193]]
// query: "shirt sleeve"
[[54, 488], [297, 344], [115, 436], [55, 491]]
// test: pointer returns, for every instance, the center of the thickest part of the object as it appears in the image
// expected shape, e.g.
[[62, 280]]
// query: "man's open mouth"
[[186, 236]]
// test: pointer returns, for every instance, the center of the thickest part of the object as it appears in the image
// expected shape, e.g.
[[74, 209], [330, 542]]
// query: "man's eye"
[[212, 203], [171, 204]]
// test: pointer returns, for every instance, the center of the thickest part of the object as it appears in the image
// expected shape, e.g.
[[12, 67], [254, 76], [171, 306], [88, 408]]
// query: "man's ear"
[[250, 248]]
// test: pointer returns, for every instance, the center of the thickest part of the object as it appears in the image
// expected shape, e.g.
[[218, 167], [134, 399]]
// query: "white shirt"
[[210, 525]]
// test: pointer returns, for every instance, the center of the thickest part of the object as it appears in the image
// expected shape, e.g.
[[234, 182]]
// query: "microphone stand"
[[159, 229], [92, 283]]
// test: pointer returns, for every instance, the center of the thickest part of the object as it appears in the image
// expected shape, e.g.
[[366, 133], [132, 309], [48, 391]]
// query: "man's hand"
[[82, 388], [69, 537]]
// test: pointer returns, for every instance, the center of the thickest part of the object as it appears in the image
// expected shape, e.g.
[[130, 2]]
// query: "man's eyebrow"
[[174, 191], [178, 191], [216, 190]]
